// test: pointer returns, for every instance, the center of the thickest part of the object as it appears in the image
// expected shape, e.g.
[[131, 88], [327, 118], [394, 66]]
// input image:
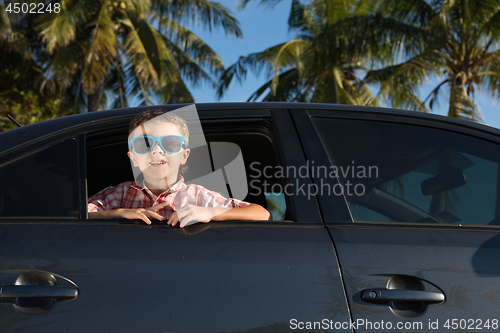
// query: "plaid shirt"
[[133, 195]]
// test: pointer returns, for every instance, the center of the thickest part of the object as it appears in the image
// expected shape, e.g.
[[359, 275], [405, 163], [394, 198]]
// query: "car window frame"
[[116, 137], [333, 208], [292, 154], [281, 130]]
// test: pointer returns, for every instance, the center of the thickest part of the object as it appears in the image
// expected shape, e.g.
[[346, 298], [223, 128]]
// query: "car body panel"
[[458, 263], [138, 278]]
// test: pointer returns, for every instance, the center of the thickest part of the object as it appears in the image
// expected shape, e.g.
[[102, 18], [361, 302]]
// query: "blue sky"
[[265, 26], [262, 27]]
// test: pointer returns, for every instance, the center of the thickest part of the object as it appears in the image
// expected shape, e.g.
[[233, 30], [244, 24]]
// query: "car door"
[[81, 275], [412, 205]]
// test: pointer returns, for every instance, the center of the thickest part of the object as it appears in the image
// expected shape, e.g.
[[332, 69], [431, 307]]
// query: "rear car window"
[[394, 172], [43, 183]]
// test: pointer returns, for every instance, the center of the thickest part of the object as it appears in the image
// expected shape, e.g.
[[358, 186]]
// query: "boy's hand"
[[188, 213], [133, 214], [144, 213]]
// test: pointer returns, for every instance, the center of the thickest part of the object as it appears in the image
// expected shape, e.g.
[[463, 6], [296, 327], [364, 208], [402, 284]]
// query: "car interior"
[[436, 166]]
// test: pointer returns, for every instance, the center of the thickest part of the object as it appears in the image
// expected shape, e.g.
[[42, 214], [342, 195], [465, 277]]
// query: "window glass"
[[42, 183], [406, 173], [361, 213]]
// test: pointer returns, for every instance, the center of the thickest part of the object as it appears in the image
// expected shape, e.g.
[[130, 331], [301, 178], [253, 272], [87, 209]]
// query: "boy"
[[158, 146]]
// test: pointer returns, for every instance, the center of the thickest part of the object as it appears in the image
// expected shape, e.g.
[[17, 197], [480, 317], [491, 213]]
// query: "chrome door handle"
[[385, 296], [10, 292]]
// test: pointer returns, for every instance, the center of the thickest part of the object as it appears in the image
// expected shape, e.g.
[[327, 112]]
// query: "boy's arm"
[[189, 213], [251, 212]]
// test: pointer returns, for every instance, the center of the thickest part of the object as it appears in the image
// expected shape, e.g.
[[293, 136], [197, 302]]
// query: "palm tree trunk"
[[94, 98]]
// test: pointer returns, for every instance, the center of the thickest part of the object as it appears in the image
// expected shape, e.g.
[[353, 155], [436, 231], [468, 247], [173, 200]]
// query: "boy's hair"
[[166, 117], [161, 115]]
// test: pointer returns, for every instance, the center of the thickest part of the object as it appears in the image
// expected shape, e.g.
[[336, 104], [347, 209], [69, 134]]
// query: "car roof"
[[17, 137]]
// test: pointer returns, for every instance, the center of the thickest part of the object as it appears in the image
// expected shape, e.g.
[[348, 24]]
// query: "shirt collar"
[[177, 186]]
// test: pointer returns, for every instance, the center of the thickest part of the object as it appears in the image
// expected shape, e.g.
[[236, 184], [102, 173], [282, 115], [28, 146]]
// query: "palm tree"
[[305, 68], [103, 51], [454, 40], [20, 62]]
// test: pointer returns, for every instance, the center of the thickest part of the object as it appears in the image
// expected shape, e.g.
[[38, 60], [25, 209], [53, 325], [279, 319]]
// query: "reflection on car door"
[[416, 257]]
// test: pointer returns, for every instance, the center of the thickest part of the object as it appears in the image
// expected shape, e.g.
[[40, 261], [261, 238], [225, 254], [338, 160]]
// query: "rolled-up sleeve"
[[214, 199], [107, 199]]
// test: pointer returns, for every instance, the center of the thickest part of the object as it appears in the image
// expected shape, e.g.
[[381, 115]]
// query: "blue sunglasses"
[[169, 143]]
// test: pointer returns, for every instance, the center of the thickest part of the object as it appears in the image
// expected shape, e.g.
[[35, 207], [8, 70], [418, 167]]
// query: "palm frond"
[[189, 43], [379, 39], [61, 30], [417, 13], [152, 60], [209, 14], [4, 22], [362, 94], [277, 57], [491, 25], [176, 92], [335, 11], [434, 94], [489, 75], [62, 68], [101, 51], [301, 20], [286, 91], [270, 3], [115, 87], [187, 67], [399, 83]]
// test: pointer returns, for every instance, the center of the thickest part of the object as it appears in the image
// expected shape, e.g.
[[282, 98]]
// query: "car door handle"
[[10, 292], [384, 296]]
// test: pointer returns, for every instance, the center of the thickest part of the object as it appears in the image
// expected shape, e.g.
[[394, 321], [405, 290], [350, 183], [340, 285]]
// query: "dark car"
[[383, 220]]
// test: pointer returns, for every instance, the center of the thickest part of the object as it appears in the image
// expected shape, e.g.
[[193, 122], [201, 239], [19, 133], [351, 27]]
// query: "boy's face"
[[158, 164]]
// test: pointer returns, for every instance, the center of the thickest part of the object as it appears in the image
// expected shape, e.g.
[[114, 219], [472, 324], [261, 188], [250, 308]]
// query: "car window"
[[41, 183], [107, 149], [408, 173]]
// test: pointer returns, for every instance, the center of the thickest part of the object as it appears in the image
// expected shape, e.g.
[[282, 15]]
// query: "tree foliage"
[[311, 67], [456, 41], [21, 64], [399, 45], [102, 52]]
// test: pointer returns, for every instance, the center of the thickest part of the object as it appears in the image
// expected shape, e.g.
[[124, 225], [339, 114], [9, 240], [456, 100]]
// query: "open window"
[[109, 165]]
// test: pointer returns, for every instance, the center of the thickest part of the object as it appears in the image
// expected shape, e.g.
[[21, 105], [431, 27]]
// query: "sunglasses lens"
[[171, 144], [143, 144]]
